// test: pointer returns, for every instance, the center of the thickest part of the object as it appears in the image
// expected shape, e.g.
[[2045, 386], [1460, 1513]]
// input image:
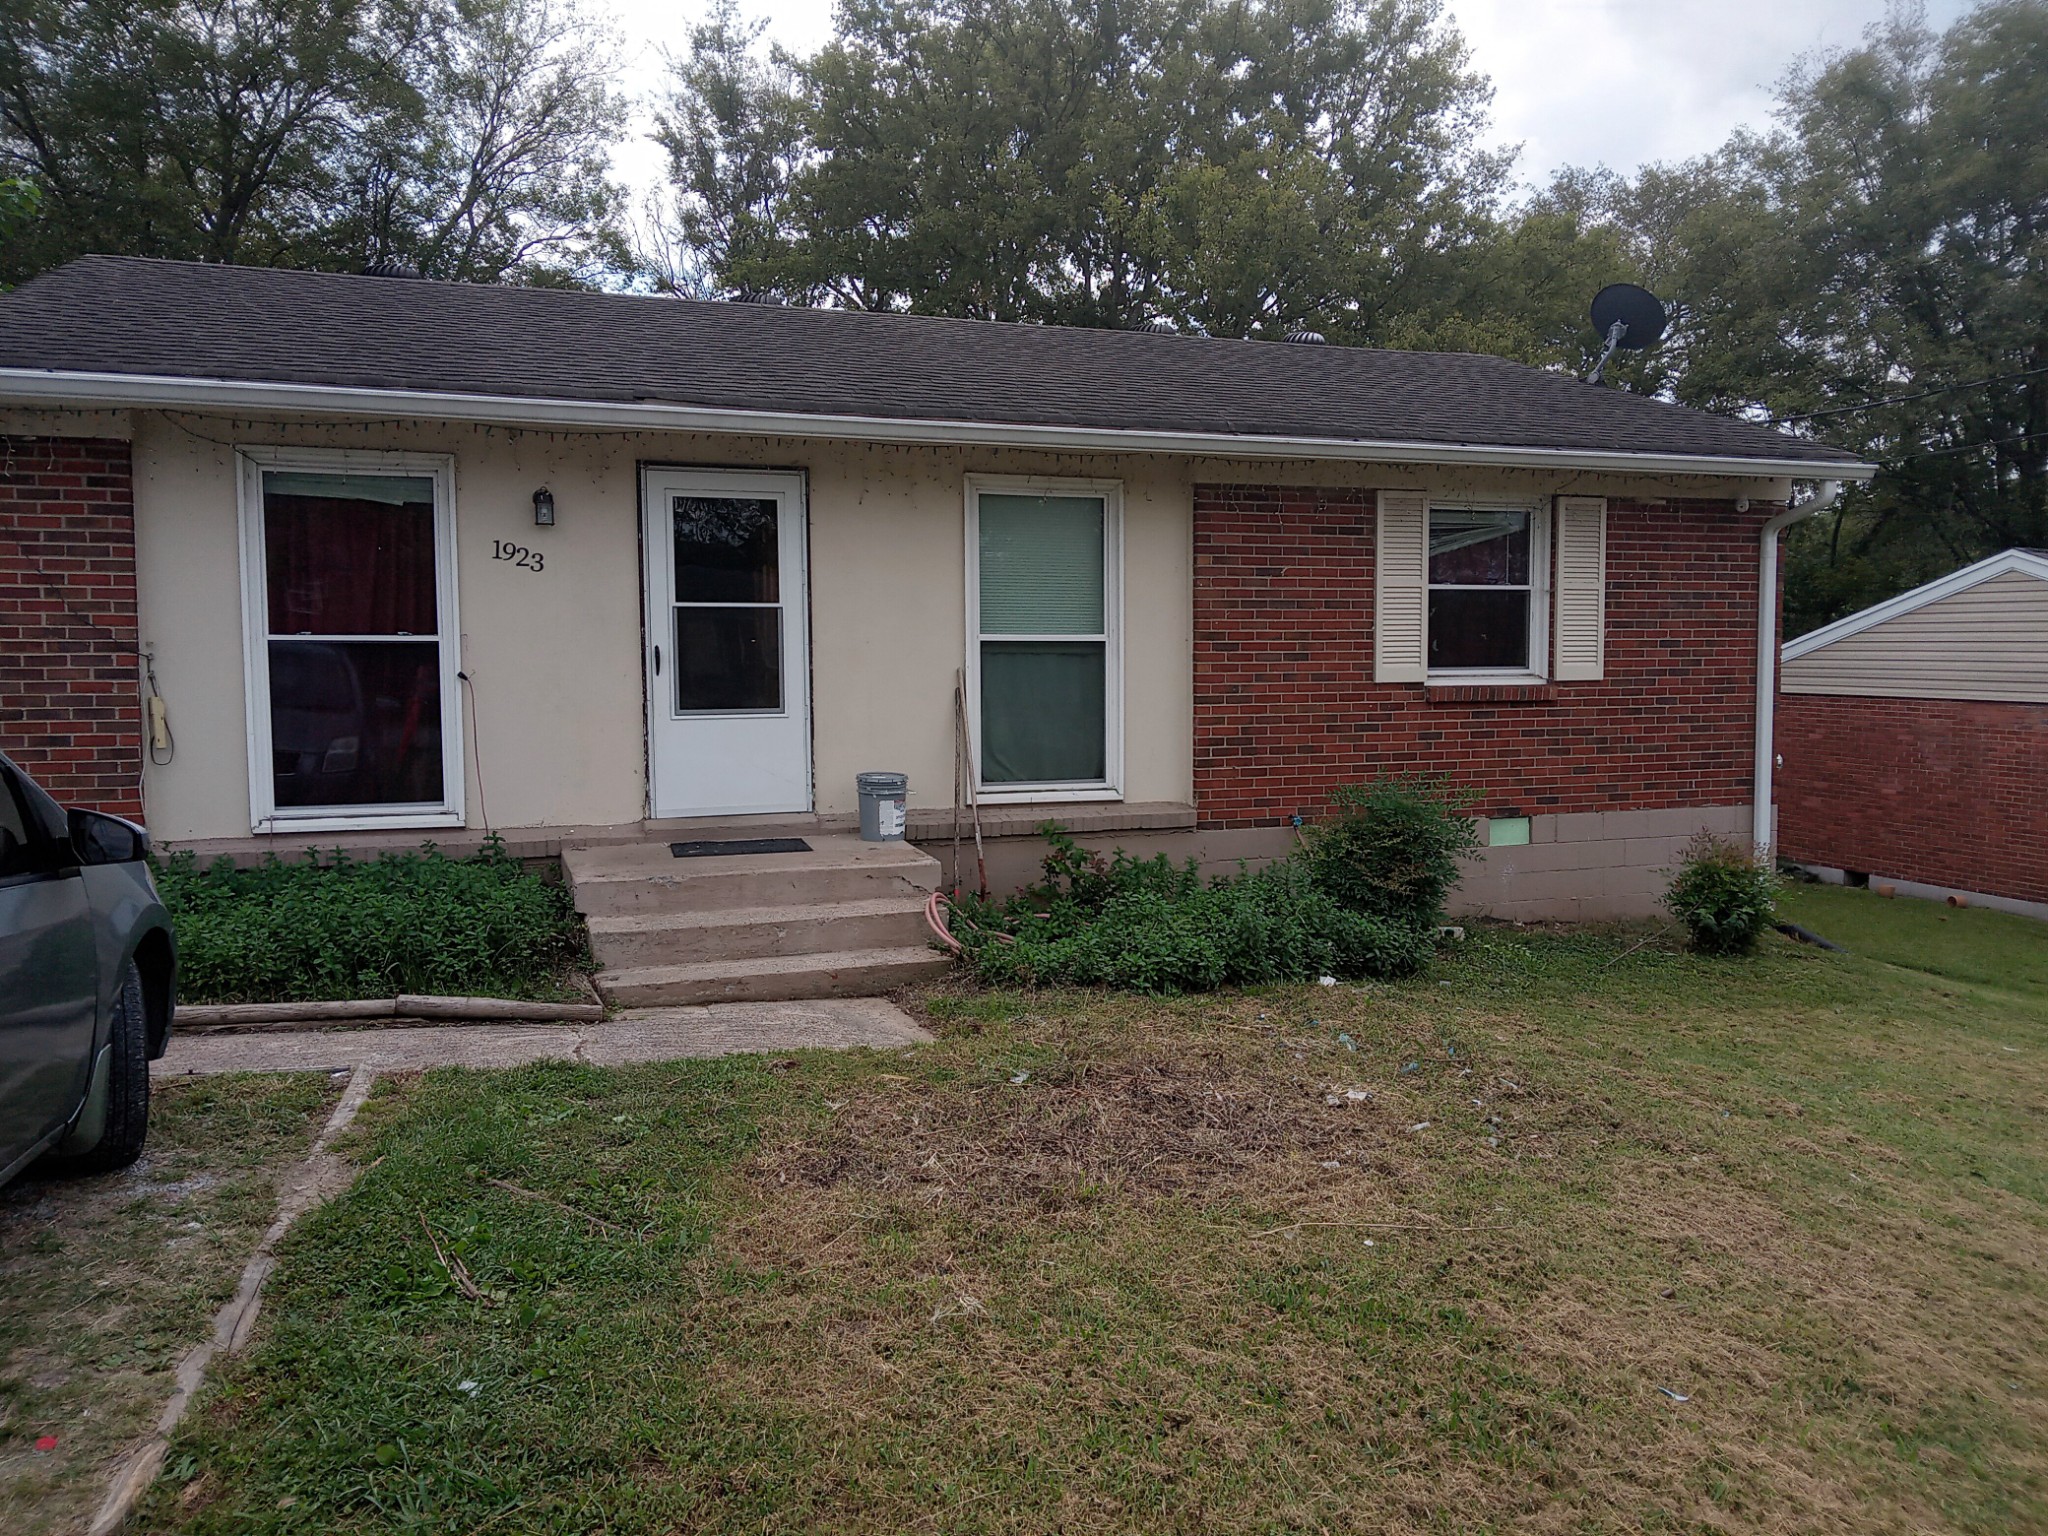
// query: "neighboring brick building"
[[70, 700], [1914, 736]]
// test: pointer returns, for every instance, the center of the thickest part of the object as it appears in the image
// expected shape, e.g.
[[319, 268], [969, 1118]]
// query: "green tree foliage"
[[1230, 167], [467, 137], [19, 200], [1889, 239]]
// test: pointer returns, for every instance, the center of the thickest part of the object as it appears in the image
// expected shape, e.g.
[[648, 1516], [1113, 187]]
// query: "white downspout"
[[1763, 828]]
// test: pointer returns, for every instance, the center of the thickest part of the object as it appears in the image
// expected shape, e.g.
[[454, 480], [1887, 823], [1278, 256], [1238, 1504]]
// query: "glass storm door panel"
[[353, 643], [727, 661], [1043, 600]]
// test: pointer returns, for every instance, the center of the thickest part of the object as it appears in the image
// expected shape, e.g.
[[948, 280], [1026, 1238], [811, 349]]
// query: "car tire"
[[127, 1124]]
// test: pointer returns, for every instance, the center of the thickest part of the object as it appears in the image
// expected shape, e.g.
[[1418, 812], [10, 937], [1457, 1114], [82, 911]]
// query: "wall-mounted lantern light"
[[543, 508]]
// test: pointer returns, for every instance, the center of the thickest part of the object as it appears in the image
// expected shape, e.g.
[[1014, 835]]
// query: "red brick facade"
[[70, 705], [1950, 792], [1286, 708]]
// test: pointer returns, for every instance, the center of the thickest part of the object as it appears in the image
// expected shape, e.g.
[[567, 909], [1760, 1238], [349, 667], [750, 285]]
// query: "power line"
[[1923, 394], [1995, 442]]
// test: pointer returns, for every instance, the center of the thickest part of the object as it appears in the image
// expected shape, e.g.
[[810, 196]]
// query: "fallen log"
[[474, 1010]]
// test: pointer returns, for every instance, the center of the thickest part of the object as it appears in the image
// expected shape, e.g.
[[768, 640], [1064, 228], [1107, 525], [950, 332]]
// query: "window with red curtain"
[[354, 646]]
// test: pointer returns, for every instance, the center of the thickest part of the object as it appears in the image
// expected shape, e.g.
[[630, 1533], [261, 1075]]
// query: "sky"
[[1576, 82]]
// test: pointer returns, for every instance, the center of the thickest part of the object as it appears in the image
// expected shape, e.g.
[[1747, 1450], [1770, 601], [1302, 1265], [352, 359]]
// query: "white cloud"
[[1625, 82]]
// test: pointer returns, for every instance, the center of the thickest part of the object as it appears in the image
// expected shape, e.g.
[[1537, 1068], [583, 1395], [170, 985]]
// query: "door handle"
[[657, 661]]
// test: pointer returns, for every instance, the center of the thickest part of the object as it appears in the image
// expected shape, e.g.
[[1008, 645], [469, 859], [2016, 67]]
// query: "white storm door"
[[728, 643]]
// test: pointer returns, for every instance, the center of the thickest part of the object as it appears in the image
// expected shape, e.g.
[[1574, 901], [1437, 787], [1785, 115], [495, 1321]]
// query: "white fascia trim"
[[2005, 563], [29, 385]]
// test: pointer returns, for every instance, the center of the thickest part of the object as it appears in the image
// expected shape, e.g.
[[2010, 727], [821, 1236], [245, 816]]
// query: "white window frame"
[[1538, 670], [264, 813], [1109, 787]]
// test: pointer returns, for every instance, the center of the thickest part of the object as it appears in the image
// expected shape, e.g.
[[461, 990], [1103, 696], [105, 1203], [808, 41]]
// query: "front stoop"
[[844, 920]]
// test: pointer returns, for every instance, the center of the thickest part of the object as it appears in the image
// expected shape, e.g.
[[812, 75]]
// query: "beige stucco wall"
[[1989, 641], [555, 658]]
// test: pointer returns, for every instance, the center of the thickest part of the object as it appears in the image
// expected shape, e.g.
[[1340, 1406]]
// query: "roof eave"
[[26, 386], [2006, 562]]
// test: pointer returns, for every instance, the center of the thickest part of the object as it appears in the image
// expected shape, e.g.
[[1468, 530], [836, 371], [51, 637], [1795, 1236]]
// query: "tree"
[[19, 200], [1887, 243], [730, 125], [492, 159], [192, 130], [1228, 166], [466, 136]]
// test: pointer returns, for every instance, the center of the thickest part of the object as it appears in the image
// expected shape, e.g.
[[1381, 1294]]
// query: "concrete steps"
[[845, 919], [773, 978], [747, 933]]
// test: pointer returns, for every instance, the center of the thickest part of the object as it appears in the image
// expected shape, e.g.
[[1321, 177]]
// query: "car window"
[[17, 844], [40, 808]]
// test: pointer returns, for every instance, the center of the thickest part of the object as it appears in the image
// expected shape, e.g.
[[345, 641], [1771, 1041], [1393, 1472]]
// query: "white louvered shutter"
[[1581, 588], [1400, 607]]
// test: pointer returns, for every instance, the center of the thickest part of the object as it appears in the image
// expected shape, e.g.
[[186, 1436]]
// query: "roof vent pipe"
[[1763, 829], [1306, 338], [386, 267]]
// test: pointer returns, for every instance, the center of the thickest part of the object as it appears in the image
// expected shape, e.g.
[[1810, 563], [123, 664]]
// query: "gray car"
[[88, 982]]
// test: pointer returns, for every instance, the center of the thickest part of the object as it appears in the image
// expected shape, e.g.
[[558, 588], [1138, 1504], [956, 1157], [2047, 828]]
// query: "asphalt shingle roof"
[[118, 315]]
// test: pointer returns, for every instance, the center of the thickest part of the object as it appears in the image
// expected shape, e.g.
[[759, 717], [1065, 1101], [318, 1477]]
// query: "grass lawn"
[[1596, 1236], [1969, 944], [106, 1282]]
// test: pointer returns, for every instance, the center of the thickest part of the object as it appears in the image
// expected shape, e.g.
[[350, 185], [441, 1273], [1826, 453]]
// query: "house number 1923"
[[526, 559]]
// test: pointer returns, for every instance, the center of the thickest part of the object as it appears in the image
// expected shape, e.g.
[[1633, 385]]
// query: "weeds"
[[342, 927]]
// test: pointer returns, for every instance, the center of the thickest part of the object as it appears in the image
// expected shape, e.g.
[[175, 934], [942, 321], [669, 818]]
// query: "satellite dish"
[[1627, 316]]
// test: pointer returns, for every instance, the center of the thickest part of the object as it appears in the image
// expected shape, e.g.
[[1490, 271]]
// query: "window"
[[1044, 663], [17, 835], [349, 611], [728, 604], [1487, 578]]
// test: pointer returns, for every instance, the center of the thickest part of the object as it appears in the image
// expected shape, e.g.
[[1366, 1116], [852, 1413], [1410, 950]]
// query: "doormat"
[[712, 850]]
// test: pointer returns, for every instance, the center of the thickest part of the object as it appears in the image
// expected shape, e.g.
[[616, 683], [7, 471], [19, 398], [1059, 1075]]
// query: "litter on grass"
[[1020, 1078], [1676, 1397]]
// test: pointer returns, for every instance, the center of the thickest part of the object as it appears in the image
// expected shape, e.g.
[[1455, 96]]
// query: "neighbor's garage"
[[1914, 738]]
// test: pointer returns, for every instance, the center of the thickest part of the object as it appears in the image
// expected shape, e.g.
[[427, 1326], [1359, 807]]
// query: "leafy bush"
[[402, 922], [1724, 894], [1391, 850], [1148, 925]]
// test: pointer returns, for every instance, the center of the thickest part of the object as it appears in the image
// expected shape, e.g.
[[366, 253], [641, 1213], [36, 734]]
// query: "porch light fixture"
[[543, 508]]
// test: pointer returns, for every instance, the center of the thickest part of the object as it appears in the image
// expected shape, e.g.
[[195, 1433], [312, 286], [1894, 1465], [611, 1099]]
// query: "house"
[[1914, 738], [403, 560]]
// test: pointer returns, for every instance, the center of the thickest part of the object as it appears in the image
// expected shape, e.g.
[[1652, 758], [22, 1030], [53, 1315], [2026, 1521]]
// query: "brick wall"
[[1947, 792], [70, 711], [1286, 708]]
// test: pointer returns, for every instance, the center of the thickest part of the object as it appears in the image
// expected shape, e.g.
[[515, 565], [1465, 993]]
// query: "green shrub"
[[1148, 925], [1391, 848], [409, 922], [1724, 894]]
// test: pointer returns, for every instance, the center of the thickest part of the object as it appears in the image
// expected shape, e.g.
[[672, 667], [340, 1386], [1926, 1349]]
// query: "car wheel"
[[127, 1086]]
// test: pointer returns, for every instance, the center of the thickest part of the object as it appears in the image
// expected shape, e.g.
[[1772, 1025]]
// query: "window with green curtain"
[[1044, 639]]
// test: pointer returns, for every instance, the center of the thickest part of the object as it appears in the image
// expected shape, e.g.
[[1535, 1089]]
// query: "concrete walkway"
[[643, 1034]]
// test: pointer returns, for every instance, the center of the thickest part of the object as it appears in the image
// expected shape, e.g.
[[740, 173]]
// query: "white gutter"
[[1763, 828], [28, 386]]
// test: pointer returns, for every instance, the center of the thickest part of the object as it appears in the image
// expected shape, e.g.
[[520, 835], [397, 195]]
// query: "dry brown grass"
[[1163, 1284]]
